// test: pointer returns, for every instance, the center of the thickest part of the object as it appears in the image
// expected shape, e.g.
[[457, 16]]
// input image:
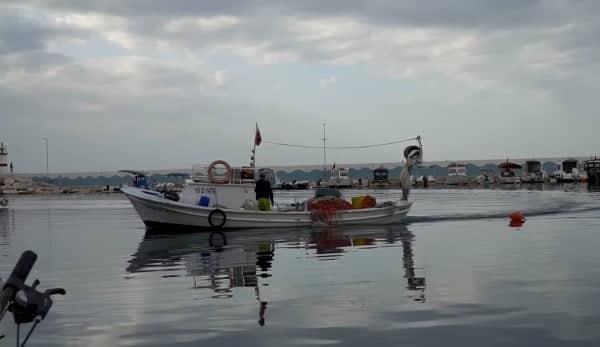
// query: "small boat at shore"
[[229, 202], [3, 204]]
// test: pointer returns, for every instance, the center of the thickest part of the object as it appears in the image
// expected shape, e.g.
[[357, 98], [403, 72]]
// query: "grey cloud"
[[515, 48], [422, 13], [19, 33]]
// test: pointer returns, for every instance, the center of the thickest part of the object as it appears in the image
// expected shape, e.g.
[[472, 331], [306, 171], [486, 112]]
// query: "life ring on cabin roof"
[[211, 174]]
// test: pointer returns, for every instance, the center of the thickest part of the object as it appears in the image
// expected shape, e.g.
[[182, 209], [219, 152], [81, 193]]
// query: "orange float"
[[516, 219]]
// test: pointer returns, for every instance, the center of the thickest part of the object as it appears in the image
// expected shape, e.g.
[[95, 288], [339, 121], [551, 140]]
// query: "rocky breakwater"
[[23, 185]]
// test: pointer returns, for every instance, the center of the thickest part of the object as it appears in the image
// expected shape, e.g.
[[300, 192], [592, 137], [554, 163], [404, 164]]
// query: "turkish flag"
[[257, 137]]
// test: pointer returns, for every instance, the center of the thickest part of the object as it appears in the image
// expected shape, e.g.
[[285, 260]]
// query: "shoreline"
[[45, 189]]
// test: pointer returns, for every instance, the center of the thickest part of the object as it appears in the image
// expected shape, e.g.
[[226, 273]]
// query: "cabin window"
[[568, 166]]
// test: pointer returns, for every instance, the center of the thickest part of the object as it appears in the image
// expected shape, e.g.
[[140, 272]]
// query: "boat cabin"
[[568, 165]]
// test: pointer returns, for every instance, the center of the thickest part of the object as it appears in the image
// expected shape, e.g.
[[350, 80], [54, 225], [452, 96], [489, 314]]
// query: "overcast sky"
[[151, 84]]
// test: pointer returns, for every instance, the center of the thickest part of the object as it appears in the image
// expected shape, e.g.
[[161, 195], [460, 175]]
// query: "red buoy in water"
[[516, 219]]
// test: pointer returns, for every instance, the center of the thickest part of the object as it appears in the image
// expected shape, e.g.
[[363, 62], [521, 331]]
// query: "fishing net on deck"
[[327, 209]]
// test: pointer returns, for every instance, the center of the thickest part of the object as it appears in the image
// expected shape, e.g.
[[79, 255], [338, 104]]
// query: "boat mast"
[[324, 152]]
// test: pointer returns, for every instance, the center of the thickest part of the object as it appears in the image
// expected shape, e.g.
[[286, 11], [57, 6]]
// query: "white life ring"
[[211, 175]]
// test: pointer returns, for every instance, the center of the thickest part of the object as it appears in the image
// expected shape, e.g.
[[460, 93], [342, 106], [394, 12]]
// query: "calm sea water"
[[457, 274]]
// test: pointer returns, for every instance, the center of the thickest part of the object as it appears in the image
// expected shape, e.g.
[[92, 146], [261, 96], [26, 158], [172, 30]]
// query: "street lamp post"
[[324, 153], [46, 139]]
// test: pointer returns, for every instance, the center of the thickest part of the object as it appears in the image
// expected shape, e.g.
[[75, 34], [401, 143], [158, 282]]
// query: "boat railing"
[[239, 175]]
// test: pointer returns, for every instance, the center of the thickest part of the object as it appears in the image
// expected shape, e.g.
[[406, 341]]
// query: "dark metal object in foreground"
[[25, 302]]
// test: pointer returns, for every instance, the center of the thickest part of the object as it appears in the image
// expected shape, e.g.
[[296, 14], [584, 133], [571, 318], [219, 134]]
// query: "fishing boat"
[[592, 167], [533, 172], [228, 201], [507, 173], [457, 174]]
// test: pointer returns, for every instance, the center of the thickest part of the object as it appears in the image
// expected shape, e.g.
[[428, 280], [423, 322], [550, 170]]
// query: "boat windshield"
[[569, 165], [380, 174], [457, 170], [534, 166]]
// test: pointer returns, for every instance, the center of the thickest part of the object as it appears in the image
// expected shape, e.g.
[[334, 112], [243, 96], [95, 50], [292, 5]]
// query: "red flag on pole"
[[257, 137]]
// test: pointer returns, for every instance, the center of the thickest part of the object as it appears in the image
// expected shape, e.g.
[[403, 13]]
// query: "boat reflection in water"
[[221, 261]]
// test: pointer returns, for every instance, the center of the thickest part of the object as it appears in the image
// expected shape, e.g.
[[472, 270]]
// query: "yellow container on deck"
[[357, 201]]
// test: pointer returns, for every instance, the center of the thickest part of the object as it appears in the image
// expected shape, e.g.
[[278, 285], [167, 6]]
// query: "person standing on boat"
[[264, 193]]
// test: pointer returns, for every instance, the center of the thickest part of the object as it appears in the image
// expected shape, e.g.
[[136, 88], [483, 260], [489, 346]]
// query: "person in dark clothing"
[[264, 193]]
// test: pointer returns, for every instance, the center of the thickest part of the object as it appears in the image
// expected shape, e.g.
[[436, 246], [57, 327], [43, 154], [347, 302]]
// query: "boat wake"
[[498, 215], [497, 205]]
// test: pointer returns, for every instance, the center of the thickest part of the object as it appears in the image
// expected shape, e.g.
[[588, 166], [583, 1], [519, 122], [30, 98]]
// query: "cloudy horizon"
[[156, 84]]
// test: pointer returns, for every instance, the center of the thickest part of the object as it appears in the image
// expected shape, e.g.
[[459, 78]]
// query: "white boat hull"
[[457, 180], [155, 210]]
